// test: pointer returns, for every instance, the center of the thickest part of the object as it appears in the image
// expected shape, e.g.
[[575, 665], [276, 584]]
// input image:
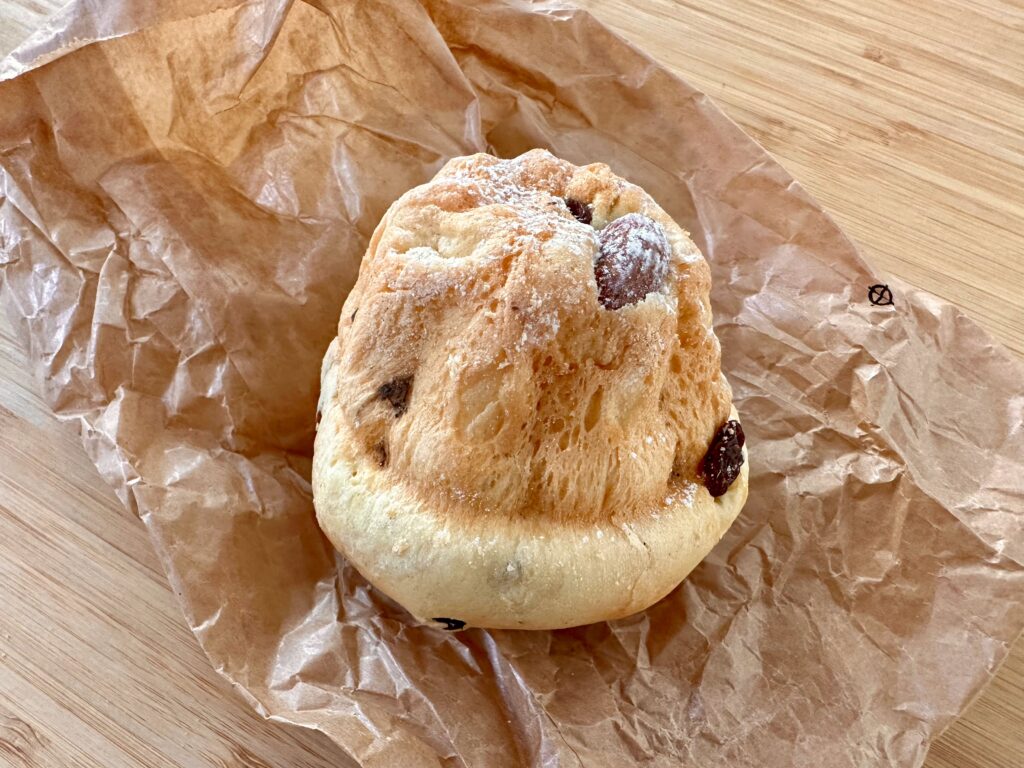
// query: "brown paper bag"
[[183, 207]]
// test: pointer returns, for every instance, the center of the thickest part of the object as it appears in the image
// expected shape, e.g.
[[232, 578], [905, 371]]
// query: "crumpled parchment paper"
[[186, 189]]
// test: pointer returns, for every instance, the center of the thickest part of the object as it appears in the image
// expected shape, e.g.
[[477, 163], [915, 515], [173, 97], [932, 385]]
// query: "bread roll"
[[523, 420]]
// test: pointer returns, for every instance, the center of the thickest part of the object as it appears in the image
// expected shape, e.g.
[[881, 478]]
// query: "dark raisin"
[[451, 625], [380, 453], [580, 210], [396, 392], [354, 314], [319, 416], [721, 464], [632, 260]]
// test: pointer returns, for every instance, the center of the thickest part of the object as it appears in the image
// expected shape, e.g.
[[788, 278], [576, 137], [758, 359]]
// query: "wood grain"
[[905, 119]]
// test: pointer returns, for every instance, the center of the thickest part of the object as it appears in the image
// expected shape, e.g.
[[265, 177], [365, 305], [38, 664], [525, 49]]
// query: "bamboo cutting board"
[[905, 119]]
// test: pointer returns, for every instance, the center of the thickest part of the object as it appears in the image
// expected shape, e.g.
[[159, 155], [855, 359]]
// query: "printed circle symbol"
[[880, 295]]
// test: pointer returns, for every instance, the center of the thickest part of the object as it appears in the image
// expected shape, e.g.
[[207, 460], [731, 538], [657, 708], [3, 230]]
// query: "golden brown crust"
[[526, 397], [484, 571]]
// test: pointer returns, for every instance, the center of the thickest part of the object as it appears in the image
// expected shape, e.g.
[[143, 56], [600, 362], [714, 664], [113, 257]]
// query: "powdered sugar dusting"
[[536, 210], [533, 220], [426, 254], [684, 496], [538, 219], [445, 274], [689, 493], [495, 183], [540, 322]]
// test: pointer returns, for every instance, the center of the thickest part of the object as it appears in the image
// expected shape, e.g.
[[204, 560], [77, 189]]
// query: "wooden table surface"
[[906, 119]]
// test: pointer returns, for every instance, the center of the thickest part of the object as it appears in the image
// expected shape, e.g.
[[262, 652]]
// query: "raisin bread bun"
[[523, 420]]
